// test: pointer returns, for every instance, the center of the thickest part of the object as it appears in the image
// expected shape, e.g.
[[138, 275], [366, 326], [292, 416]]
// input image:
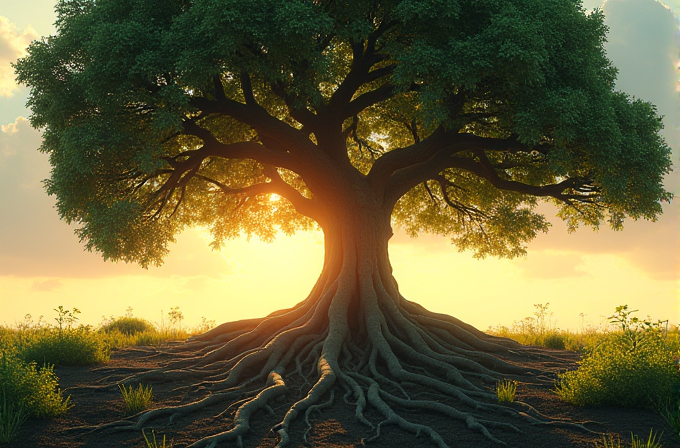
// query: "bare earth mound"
[[335, 426]]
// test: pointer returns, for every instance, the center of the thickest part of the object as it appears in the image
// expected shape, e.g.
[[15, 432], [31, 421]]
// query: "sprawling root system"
[[354, 337]]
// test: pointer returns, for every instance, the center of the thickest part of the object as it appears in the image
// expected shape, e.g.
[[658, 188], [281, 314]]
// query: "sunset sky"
[[42, 264]]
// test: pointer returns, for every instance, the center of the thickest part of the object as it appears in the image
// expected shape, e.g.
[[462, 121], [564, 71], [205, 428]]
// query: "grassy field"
[[29, 351], [629, 362]]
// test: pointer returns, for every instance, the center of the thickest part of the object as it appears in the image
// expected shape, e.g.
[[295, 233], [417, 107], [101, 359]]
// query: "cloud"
[[651, 247], [548, 265], [12, 46], [46, 285], [34, 242]]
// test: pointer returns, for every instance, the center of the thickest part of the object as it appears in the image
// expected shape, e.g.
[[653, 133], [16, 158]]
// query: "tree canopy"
[[458, 114], [252, 117]]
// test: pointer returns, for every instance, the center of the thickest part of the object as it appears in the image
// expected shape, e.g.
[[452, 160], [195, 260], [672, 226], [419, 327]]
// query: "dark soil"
[[333, 427]]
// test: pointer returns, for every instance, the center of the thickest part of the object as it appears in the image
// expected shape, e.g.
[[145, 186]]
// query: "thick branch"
[[241, 150], [583, 188], [247, 88], [301, 114], [277, 186], [364, 57], [402, 169], [368, 99], [400, 158], [406, 178], [275, 134]]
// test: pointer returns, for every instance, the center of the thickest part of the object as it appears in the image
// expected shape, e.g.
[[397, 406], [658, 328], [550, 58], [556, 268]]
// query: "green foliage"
[[136, 400], [633, 367], [12, 416], [71, 347], [505, 391], [159, 115], [35, 389], [61, 344]]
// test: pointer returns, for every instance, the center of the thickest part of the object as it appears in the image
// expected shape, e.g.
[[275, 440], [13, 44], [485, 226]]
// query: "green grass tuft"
[[505, 391], [609, 441], [670, 411], [12, 416], [136, 400], [614, 441], [153, 443], [651, 442]]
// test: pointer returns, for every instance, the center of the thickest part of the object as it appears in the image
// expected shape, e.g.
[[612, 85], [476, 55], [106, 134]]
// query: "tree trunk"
[[358, 333]]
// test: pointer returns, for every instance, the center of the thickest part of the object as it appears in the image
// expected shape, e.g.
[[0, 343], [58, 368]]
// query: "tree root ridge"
[[382, 358]]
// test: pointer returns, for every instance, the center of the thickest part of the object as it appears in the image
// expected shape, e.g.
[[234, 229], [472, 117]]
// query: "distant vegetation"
[[631, 362], [29, 351]]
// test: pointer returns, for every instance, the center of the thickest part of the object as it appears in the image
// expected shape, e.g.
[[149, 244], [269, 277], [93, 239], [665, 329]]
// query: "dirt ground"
[[333, 427]]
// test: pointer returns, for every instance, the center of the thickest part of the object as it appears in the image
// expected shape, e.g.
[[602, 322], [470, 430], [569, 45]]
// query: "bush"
[[633, 367], [128, 326], [553, 340], [70, 347], [35, 389]]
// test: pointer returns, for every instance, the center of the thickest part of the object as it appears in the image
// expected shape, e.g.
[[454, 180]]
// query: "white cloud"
[[47, 285], [13, 45]]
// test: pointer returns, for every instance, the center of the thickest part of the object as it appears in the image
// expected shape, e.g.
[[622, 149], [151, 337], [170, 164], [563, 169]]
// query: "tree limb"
[[277, 186]]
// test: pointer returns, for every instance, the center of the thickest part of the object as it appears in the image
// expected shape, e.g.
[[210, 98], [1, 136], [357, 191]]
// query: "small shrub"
[[35, 389], [554, 341], [136, 400], [127, 325], [505, 391], [66, 318], [631, 368]]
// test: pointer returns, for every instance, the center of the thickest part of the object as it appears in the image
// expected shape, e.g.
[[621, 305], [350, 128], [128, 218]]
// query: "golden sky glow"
[[42, 265]]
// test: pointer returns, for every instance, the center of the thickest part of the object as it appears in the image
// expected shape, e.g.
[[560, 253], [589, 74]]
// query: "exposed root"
[[353, 332], [275, 388]]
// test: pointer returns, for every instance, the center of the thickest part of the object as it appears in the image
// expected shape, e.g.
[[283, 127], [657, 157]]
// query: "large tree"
[[264, 116]]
